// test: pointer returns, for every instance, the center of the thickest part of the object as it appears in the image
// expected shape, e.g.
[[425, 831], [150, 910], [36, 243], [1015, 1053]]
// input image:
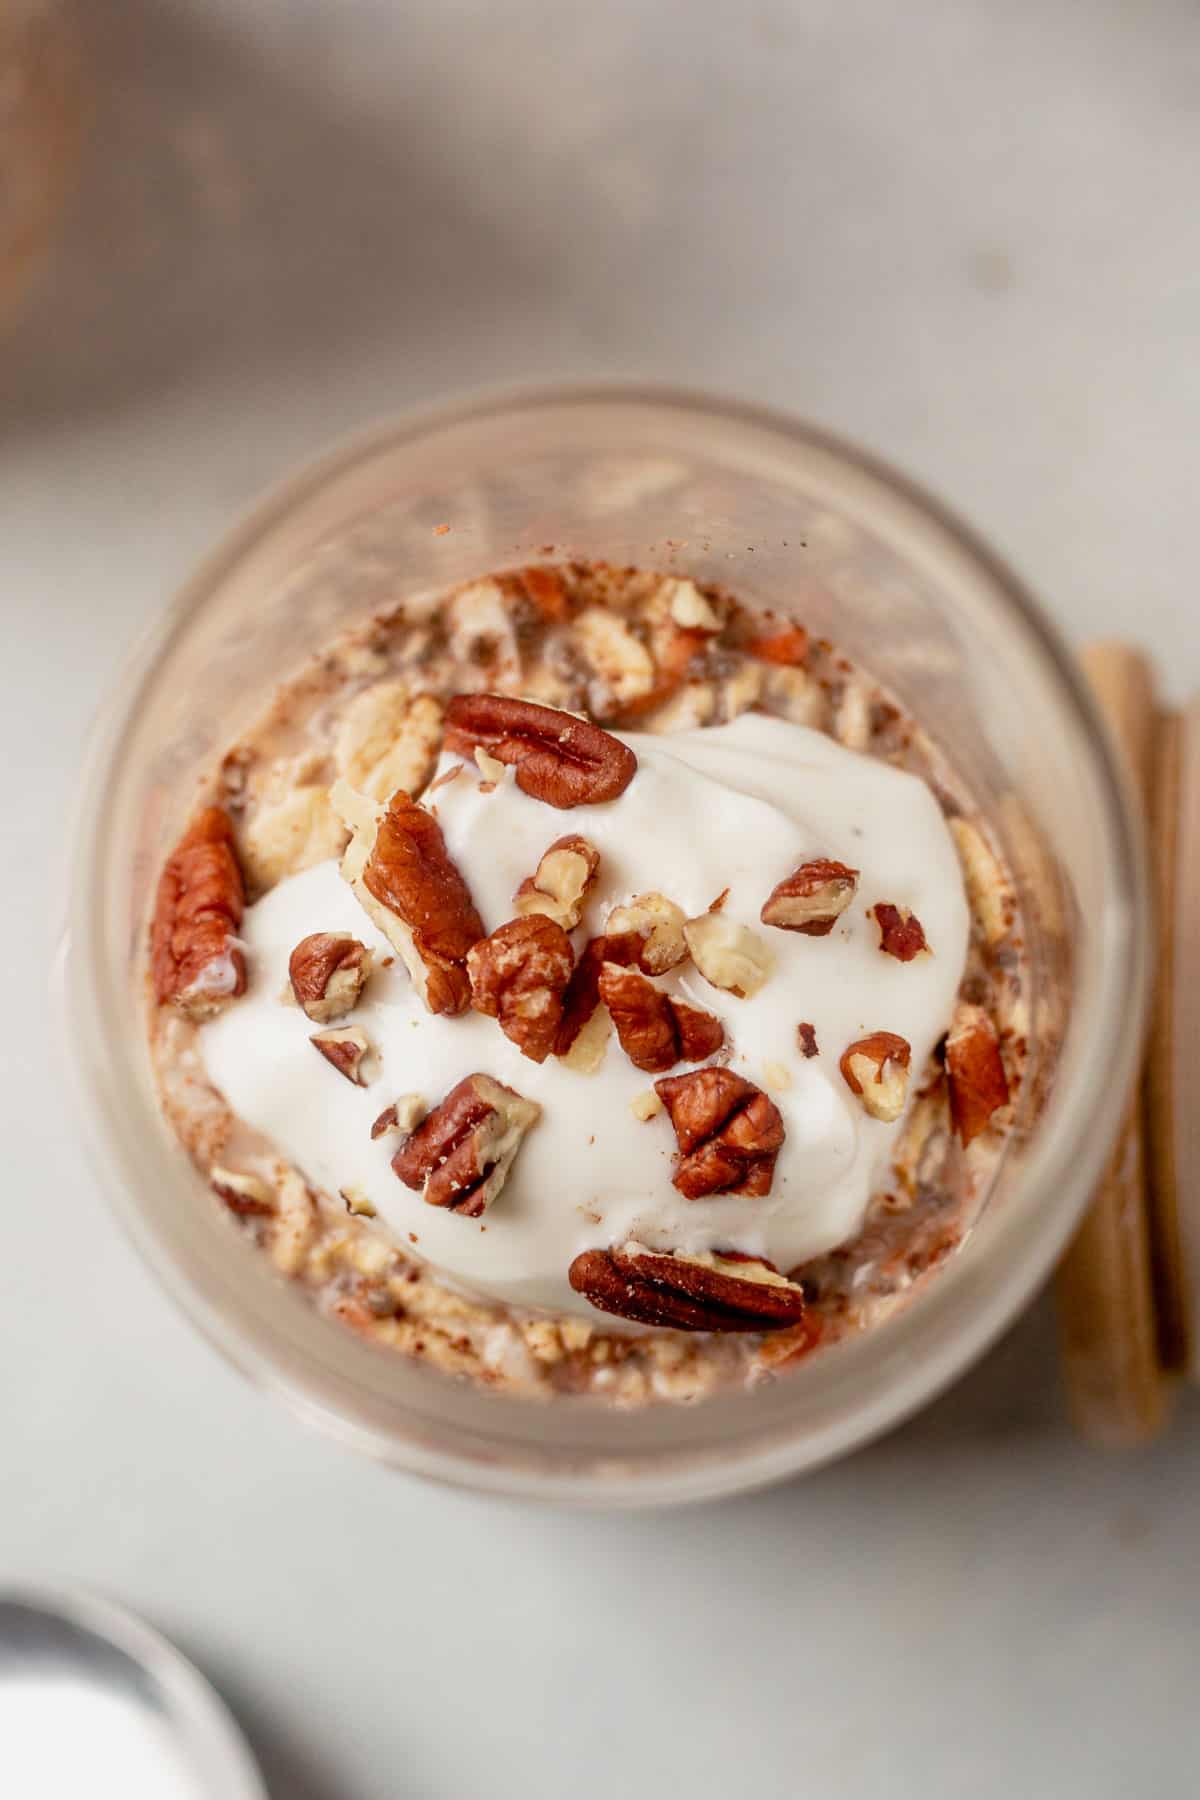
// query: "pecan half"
[[715, 1291], [328, 971], [876, 1068], [812, 898], [347, 1048], [975, 1072], [560, 759], [901, 933], [728, 1133], [559, 885], [655, 1031], [647, 933], [196, 963], [459, 1156], [399, 867], [582, 995], [728, 955], [519, 976]]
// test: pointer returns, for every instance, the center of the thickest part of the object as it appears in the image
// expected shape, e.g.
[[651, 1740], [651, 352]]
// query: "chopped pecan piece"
[[560, 883], [691, 610], [647, 933], [328, 971], [806, 1037], [812, 898], [788, 646], [901, 933], [559, 759], [358, 1202], [715, 1291], [196, 962], [245, 1194], [459, 1156], [727, 954], [582, 996], [876, 1068], [975, 1072], [655, 1031], [347, 1048], [399, 1117], [545, 589], [399, 867], [728, 1133], [519, 976]]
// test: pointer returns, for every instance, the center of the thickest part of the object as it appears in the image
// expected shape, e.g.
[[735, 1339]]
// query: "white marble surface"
[[965, 233]]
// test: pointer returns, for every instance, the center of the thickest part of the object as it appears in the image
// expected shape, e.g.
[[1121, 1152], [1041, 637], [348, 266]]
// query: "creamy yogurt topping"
[[735, 806]]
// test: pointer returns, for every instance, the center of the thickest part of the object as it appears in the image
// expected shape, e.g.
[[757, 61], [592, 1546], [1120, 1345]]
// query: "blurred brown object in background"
[[41, 106]]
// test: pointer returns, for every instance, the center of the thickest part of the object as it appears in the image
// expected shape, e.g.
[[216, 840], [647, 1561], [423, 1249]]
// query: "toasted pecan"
[[716, 1291], [812, 898], [901, 933], [460, 1154], [655, 1031], [411, 875], [974, 1072], [559, 759], [519, 976], [196, 963], [728, 1132], [328, 970]]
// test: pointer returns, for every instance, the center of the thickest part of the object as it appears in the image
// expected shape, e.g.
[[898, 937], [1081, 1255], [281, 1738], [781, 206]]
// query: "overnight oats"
[[587, 984]]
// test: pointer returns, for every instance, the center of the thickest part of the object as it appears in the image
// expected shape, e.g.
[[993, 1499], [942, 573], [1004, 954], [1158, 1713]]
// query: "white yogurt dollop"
[[736, 806]]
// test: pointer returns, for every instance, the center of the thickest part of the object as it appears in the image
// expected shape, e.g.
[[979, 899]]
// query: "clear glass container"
[[788, 518]]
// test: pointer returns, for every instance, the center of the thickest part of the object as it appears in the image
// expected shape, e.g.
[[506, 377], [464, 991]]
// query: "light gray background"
[[967, 234]]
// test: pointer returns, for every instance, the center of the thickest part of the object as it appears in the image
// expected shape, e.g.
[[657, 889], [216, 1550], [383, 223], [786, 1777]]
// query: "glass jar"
[[787, 518]]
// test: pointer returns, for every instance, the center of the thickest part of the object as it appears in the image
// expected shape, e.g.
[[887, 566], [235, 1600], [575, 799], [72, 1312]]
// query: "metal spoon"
[[94, 1701]]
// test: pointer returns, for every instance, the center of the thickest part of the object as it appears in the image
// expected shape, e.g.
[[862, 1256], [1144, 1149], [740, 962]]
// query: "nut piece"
[[243, 1194], [559, 885], [812, 898], [196, 962], [689, 609], [729, 955], [989, 894], [328, 971], [491, 772], [876, 1068], [400, 1117], [647, 934], [357, 1202], [519, 976], [388, 739], [346, 1047], [560, 759], [399, 867], [901, 933], [728, 1133], [978, 1084], [460, 1155], [543, 587], [806, 1037], [655, 1031], [582, 996], [646, 1105], [715, 1291], [787, 647]]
